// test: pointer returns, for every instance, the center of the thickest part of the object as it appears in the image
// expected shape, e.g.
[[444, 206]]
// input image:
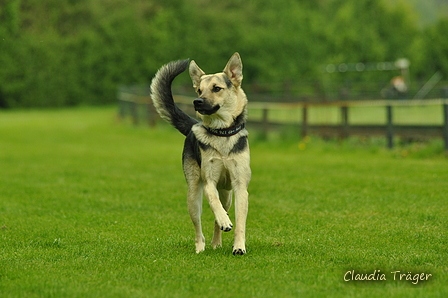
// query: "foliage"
[[437, 51], [64, 52]]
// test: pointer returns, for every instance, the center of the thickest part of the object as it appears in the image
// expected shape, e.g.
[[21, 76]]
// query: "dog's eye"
[[216, 89], [199, 92]]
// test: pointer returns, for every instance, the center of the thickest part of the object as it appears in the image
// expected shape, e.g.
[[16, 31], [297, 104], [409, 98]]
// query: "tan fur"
[[232, 100], [222, 172], [216, 158]]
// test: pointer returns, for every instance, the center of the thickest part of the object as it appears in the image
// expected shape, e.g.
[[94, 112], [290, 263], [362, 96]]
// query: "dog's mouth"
[[203, 107], [208, 111]]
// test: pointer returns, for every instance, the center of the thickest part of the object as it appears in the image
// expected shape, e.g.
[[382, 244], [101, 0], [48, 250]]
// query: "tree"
[[437, 47], [65, 52]]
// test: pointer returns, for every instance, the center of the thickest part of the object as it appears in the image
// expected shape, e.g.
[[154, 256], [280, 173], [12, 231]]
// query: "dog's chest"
[[220, 148]]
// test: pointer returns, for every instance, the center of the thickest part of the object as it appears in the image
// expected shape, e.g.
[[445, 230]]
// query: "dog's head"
[[219, 94]]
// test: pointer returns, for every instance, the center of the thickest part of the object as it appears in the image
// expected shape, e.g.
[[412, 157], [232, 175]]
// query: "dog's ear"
[[234, 69], [195, 73]]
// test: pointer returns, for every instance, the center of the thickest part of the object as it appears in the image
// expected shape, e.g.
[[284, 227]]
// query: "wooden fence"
[[139, 107], [343, 128]]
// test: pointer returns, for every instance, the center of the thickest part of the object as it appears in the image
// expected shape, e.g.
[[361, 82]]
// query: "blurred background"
[[78, 52]]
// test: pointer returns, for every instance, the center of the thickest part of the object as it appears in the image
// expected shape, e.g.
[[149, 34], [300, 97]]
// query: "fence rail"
[[140, 107], [344, 128]]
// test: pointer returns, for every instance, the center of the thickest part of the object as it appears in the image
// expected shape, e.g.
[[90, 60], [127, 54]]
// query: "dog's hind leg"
[[225, 197], [194, 200]]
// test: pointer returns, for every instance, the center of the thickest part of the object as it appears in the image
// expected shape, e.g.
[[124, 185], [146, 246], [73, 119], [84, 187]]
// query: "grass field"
[[94, 208]]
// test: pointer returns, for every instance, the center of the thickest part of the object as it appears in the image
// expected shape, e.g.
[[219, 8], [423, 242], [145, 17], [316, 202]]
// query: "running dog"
[[215, 157]]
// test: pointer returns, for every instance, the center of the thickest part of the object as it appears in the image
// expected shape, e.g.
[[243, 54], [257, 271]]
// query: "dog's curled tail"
[[163, 98]]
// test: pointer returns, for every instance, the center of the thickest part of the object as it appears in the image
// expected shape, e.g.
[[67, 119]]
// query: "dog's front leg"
[[221, 217], [240, 175], [241, 208], [225, 196]]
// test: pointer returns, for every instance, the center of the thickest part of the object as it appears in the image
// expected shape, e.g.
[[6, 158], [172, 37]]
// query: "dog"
[[215, 156]]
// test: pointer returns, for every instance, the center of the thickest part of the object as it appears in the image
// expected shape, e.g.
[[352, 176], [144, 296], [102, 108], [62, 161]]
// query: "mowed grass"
[[94, 208]]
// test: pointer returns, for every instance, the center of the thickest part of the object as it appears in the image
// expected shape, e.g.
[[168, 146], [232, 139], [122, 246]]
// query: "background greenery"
[[93, 208], [64, 52]]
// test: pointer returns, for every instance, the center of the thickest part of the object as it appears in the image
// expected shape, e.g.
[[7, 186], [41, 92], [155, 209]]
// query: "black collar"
[[225, 132]]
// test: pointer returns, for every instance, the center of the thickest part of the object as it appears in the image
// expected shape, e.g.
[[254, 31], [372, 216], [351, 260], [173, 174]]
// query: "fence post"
[[389, 128], [121, 109], [344, 122], [134, 112], [265, 122], [304, 121], [151, 114], [445, 125]]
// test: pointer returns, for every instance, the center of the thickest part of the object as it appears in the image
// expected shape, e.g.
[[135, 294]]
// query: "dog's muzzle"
[[203, 107]]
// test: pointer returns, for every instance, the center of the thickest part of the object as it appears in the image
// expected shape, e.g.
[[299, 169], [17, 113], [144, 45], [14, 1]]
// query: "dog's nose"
[[198, 102]]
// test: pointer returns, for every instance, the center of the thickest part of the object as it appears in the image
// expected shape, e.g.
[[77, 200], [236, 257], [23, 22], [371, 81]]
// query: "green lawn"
[[90, 207]]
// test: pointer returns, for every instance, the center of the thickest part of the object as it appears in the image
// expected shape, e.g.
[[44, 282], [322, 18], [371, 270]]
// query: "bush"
[[64, 52]]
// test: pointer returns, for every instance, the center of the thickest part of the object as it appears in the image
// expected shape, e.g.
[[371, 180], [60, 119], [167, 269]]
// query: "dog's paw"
[[200, 244], [200, 248], [216, 245], [227, 228], [239, 251], [216, 242], [224, 223]]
